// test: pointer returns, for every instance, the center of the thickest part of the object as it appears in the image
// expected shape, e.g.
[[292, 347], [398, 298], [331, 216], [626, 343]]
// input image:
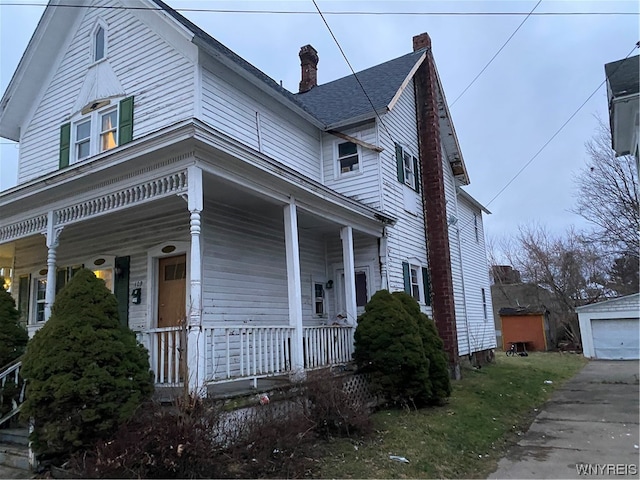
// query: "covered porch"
[[272, 284]]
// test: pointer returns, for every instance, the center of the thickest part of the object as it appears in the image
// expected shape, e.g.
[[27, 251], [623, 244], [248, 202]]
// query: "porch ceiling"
[[223, 192]]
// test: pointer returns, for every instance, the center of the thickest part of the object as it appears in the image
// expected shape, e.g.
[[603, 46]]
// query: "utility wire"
[[496, 54], [530, 161], [299, 12], [352, 70]]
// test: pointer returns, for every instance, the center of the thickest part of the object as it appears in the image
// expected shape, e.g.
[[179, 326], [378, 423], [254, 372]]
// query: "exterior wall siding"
[[363, 185], [238, 109], [476, 277], [160, 78]]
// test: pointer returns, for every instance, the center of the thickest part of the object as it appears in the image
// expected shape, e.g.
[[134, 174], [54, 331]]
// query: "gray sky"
[[547, 70]]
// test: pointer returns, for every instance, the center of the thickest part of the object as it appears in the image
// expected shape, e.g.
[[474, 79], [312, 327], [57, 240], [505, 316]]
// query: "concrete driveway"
[[589, 428]]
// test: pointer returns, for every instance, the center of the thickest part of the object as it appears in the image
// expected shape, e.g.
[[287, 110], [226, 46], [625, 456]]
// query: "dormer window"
[[99, 44], [348, 157]]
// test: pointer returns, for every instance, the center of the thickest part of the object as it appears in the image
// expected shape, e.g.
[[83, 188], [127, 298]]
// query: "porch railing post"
[[294, 286]]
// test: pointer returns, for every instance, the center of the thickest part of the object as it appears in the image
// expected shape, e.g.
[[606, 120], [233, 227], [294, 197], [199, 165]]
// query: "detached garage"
[[610, 330]]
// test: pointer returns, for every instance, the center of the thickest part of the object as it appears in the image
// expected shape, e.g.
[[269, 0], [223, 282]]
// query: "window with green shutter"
[[102, 126], [407, 167]]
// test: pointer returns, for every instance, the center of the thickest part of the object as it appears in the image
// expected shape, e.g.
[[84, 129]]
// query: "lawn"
[[488, 409]]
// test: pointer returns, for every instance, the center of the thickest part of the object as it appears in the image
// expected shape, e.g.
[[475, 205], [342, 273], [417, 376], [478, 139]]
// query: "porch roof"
[[170, 151]]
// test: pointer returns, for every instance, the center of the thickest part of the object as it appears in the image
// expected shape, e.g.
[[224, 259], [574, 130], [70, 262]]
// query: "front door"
[[362, 289], [172, 290]]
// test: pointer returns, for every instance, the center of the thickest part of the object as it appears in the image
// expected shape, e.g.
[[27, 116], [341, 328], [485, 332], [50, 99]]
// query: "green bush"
[[397, 346], [13, 337], [85, 372]]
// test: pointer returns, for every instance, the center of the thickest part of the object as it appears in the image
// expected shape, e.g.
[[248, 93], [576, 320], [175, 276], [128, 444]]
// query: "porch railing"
[[166, 347], [239, 352], [11, 374]]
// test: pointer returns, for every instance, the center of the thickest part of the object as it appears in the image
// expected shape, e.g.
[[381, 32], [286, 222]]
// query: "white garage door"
[[616, 339]]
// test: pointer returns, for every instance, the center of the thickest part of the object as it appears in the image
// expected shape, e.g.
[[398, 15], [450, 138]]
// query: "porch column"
[[52, 246], [383, 253], [346, 234], [294, 285], [195, 338]]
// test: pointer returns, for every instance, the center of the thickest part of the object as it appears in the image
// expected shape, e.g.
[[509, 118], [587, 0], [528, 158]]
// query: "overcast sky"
[[540, 78]]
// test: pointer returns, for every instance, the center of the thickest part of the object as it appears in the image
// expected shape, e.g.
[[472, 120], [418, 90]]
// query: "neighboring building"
[[508, 292], [610, 330], [211, 199], [623, 93]]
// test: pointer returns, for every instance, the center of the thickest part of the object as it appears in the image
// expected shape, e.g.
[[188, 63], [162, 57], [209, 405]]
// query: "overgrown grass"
[[488, 410]]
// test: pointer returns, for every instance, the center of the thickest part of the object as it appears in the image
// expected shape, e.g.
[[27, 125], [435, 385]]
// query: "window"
[[361, 289], [415, 285], [40, 289], [484, 303], [407, 165], [318, 299], [348, 159], [99, 44], [417, 282], [101, 127], [475, 227]]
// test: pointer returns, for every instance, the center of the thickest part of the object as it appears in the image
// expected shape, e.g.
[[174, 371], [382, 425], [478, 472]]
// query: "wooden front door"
[[172, 291]]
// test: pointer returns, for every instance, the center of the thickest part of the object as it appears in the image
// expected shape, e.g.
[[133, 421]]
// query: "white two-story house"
[[238, 224]]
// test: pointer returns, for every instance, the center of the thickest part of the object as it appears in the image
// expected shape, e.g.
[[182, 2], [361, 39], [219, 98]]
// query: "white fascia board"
[[40, 56], [594, 307], [406, 81], [464, 194]]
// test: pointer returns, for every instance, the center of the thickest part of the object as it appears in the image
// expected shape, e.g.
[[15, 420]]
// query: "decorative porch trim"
[[172, 184], [24, 228]]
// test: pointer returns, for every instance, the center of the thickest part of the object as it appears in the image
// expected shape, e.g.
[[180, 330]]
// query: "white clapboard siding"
[[476, 277], [365, 253], [159, 77], [236, 108], [364, 185], [407, 236]]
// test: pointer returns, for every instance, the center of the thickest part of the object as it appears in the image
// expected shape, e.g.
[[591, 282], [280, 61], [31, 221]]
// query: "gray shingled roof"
[[334, 102], [343, 99], [624, 76], [224, 51]]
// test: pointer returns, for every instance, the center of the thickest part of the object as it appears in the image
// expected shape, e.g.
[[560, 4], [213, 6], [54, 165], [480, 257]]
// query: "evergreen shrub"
[[13, 340], [399, 348], [85, 372]]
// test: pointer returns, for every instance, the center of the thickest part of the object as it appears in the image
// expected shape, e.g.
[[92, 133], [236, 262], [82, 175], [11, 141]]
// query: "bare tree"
[[567, 265], [607, 197]]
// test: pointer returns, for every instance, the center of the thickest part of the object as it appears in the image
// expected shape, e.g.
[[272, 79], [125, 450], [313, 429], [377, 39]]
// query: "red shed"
[[525, 324]]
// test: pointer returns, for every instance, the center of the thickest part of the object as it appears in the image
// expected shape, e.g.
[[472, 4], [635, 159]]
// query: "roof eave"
[[24, 84], [467, 196]]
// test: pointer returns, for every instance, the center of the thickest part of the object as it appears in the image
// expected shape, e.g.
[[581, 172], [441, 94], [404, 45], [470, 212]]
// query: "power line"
[[496, 54], [301, 12], [530, 161], [352, 70]]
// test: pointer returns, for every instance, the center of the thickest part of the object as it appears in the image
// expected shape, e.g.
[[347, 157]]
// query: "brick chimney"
[[309, 64], [421, 41]]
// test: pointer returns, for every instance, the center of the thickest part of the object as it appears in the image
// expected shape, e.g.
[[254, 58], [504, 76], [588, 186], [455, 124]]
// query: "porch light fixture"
[[329, 285], [168, 249]]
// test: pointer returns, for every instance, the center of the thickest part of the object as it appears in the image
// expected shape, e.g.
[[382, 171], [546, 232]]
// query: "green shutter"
[[407, 278], [125, 127], [416, 174], [65, 145], [61, 279], [23, 298], [121, 288], [399, 163], [426, 282]]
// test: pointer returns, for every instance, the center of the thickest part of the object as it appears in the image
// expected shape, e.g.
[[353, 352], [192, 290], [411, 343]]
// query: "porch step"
[[14, 452]]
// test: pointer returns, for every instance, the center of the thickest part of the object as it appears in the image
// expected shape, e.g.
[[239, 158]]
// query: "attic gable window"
[[348, 157], [99, 41], [101, 126]]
